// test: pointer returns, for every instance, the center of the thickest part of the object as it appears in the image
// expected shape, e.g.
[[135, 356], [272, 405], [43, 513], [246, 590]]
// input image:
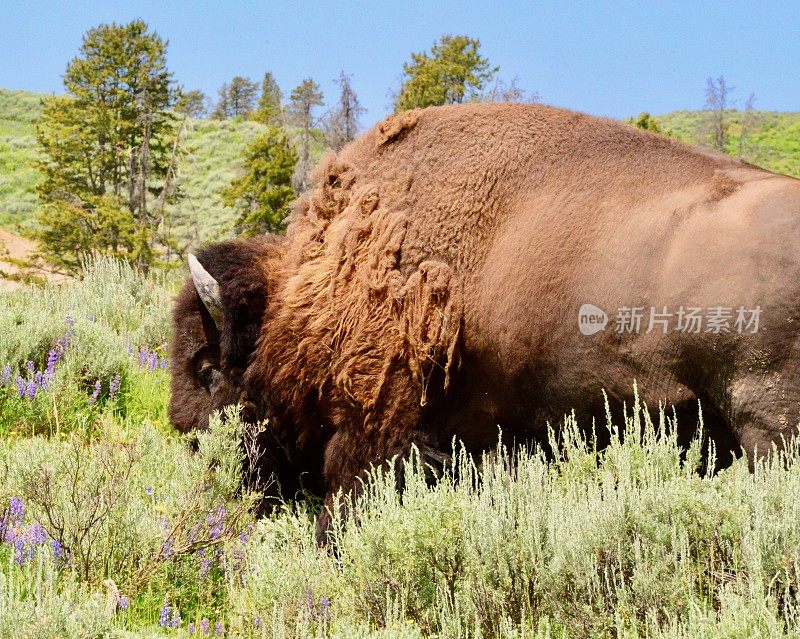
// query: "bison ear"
[[207, 288]]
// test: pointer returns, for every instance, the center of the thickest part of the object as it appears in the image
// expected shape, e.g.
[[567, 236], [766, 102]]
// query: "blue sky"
[[607, 58]]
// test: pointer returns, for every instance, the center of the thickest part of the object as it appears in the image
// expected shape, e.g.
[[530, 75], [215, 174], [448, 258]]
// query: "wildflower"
[[113, 387], [16, 509], [324, 606], [219, 628], [58, 549], [21, 386], [191, 629], [216, 522], [205, 567], [162, 363], [257, 623], [31, 389], [19, 550], [123, 601], [37, 534], [30, 366], [163, 617], [38, 379], [142, 358], [5, 376], [166, 549], [70, 321], [96, 393], [150, 491], [175, 622], [152, 362], [204, 626]]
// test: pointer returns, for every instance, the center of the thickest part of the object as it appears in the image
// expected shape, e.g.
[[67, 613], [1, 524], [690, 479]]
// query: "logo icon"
[[591, 319]]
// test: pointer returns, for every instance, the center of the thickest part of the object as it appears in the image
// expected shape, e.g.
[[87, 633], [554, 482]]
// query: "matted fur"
[[429, 287]]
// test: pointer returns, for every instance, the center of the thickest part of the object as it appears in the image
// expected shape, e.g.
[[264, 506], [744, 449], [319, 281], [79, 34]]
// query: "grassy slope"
[[773, 144], [212, 159], [18, 112]]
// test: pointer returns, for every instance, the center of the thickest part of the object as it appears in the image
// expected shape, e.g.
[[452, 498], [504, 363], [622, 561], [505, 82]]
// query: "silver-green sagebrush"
[[632, 541]]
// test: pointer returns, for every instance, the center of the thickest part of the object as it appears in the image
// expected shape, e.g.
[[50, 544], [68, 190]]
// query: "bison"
[[459, 269]]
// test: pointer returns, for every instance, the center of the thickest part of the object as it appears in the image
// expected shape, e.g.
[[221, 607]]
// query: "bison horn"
[[207, 288]]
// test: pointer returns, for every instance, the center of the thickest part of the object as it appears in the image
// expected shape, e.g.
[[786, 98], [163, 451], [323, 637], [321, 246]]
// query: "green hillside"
[[213, 152], [212, 157], [19, 111], [774, 142]]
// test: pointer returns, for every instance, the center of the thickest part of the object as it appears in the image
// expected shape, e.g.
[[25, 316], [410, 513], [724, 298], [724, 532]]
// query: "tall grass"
[[113, 526]]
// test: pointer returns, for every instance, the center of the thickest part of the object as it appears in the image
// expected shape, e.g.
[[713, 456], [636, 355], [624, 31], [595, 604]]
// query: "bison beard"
[[429, 286]]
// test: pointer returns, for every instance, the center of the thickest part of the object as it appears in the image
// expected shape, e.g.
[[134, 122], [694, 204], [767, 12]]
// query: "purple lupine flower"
[[58, 549], [191, 629], [150, 491], [16, 509], [163, 617], [205, 567], [37, 534], [257, 623], [96, 393], [31, 389], [175, 622], [21, 386], [152, 362], [70, 321], [5, 376], [142, 358], [38, 379], [19, 551], [162, 363], [166, 549], [53, 357], [219, 627], [113, 387], [30, 366], [124, 602], [216, 521], [204, 626], [324, 606]]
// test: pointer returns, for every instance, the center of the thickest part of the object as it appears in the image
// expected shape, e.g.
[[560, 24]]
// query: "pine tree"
[[109, 149], [236, 99], [264, 193], [270, 107], [222, 107], [302, 102], [451, 72], [191, 103], [341, 125]]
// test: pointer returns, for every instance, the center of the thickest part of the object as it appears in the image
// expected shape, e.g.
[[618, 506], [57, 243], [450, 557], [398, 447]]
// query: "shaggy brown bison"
[[462, 268]]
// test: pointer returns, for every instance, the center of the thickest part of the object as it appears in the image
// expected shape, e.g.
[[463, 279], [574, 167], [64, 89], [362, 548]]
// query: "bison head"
[[216, 322], [218, 318]]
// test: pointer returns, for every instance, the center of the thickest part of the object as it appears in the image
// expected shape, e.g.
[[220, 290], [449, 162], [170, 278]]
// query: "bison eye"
[[204, 371]]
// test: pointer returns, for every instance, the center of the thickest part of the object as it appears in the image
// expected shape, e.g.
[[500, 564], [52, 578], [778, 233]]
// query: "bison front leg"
[[349, 457]]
